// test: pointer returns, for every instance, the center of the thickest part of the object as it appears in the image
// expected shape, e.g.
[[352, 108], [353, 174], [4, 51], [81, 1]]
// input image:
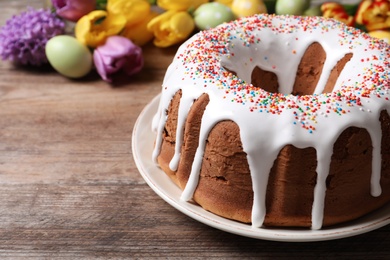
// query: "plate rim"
[[147, 168]]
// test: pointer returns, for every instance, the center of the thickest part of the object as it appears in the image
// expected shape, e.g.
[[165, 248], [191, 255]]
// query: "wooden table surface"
[[70, 189]]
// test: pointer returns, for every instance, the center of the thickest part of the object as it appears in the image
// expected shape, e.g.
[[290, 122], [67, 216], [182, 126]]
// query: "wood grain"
[[69, 188]]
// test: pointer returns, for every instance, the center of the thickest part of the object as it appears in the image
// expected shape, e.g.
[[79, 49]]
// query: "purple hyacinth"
[[24, 36]]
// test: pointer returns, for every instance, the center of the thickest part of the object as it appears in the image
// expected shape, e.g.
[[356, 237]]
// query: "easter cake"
[[278, 121]]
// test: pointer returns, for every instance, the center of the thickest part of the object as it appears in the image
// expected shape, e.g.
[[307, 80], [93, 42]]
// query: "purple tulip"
[[73, 10], [118, 53]]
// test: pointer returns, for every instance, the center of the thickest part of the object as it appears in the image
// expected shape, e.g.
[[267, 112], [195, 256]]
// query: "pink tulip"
[[117, 54], [73, 10]]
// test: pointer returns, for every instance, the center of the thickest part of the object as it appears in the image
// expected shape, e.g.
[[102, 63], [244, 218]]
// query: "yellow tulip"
[[374, 15], [381, 34], [135, 11], [138, 33], [171, 27], [94, 28], [338, 12], [180, 5]]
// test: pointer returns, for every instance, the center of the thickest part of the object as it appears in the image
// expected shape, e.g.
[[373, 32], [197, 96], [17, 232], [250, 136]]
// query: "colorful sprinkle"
[[219, 42]]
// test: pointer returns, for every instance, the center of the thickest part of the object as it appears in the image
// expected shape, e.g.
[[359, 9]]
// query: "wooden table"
[[69, 187]]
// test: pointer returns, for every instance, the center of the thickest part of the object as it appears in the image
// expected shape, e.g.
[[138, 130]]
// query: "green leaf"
[[101, 4], [270, 4], [351, 9]]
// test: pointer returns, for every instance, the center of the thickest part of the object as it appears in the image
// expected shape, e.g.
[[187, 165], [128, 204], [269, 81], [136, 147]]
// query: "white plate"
[[142, 144]]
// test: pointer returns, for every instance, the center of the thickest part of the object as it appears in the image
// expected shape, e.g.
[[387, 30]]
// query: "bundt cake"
[[278, 121]]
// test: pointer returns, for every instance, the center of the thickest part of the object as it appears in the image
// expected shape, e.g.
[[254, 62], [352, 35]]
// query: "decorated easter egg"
[[296, 7], [243, 8], [68, 56], [212, 14]]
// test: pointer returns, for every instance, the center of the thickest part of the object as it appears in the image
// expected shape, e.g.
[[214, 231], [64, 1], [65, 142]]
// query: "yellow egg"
[[384, 35], [242, 8], [225, 2]]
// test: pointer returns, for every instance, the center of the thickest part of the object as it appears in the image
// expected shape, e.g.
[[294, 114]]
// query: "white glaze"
[[279, 50]]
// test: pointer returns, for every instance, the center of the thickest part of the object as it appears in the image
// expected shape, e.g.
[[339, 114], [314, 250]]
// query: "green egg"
[[296, 7], [68, 56], [209, 15], [313, 11]]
